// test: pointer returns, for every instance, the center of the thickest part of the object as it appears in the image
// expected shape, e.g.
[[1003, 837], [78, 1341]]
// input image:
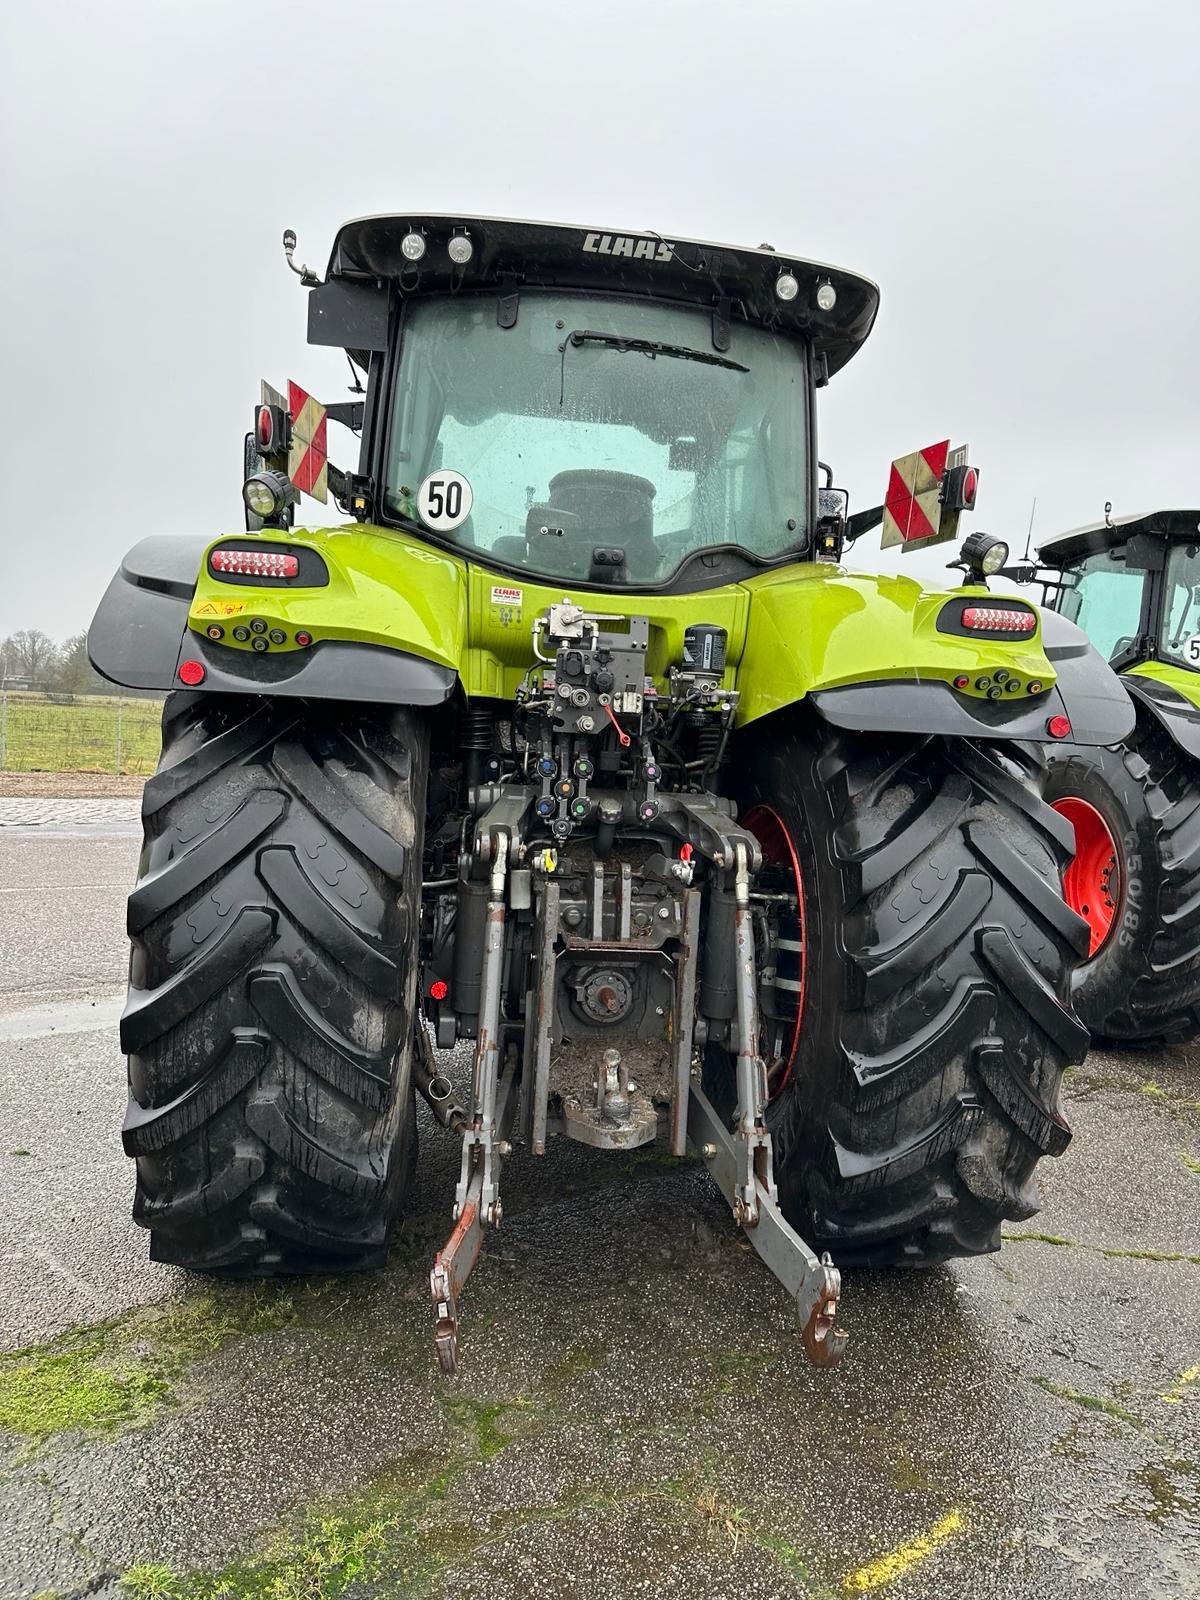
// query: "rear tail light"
[[998, 619], [255, 563], [960, 486], [272, 430]]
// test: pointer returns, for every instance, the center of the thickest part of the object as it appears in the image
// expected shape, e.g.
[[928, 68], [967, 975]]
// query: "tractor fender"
[[875, 654], [1087, 691], [140, 635], [1093, 694], [1171, 709]]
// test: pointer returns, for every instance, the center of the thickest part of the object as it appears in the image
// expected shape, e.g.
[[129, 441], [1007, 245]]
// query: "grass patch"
[[1089, 1402], [1192, 1163], [331, 1554], [116, 1374], [1174, 1395], [93, 733]]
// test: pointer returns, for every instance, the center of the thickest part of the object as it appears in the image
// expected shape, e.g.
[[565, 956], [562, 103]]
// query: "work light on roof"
[[460, 249], [826, 296], [787, 286], [412, 246]]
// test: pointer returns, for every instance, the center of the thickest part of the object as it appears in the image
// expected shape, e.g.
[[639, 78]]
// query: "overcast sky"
[[1019, 178]]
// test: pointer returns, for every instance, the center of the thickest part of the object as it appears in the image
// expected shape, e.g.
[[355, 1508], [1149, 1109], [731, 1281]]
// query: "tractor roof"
[[1061, 548], [507, 254]]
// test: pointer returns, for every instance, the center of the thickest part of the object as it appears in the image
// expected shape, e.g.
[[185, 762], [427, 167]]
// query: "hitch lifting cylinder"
[[718, 995], [468, 952]]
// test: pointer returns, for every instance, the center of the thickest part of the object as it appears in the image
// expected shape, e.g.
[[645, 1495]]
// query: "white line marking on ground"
[[43, 1022], [61, 1270], [60, 888]]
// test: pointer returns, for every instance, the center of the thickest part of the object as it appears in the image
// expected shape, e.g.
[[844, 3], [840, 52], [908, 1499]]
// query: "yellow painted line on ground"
[[901, 1560], [1174, 1394]]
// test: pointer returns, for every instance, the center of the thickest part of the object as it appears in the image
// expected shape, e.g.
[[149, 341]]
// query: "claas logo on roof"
[[926, 493]]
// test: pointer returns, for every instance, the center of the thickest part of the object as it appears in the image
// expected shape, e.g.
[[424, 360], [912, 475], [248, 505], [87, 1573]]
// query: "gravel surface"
[[634, 1415], [61, 785]]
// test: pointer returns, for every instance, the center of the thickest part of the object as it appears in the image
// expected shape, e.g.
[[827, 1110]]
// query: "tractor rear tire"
[[272, 984], [935, 1017], [1141, 984]]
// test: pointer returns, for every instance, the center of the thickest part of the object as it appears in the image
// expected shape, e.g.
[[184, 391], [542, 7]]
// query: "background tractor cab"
[[1133, 585]]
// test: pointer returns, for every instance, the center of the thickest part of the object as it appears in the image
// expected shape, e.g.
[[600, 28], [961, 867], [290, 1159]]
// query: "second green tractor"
[[1133, 584]]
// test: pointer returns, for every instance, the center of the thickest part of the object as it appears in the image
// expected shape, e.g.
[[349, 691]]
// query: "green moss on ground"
[[116, 1374], [1110, 1252], [1089, 1402]]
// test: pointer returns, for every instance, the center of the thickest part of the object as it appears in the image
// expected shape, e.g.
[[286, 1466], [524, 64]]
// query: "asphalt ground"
[[634, 1414]]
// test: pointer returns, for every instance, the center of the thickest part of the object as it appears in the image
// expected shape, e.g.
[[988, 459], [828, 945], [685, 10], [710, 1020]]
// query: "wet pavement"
[[634, 1414]]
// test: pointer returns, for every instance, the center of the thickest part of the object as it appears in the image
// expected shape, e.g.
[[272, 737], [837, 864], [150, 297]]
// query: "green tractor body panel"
[[1184, 681], [383, 589], [794, 631], [815, 627]]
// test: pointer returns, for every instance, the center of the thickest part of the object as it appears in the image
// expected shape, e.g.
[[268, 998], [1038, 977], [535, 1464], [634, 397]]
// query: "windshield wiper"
[[654, 347]]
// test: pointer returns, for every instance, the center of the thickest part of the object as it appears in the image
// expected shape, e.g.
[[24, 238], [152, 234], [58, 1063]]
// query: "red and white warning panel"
[[308, 460], [926, 492]]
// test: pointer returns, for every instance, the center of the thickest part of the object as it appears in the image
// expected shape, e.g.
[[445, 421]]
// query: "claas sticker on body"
[[913, 514]]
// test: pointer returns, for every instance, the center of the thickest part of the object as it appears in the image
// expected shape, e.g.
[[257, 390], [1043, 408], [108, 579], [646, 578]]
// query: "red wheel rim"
[[1092, 883], [779, 850]]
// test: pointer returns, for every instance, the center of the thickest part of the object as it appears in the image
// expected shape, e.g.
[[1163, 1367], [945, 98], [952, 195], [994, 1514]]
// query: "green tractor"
[[1133, 585], [578, 745]]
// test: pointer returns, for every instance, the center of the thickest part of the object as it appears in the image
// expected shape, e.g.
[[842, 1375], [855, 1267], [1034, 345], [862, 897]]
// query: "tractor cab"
[[1132, 584], [586, 407]]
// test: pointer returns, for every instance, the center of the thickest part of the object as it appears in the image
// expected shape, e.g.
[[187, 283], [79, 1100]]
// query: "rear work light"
[[998, 619], [255, 563]]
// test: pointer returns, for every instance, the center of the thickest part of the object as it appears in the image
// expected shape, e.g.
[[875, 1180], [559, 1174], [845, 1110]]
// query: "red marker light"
[[439, 989], [962, 681], [970, 487], [265, 428], [192, 673], [303, 638], [255, 563], [1058, 727], [999, 619]]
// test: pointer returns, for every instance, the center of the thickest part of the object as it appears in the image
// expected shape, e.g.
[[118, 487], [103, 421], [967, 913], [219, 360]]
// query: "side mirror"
[[830, 534]]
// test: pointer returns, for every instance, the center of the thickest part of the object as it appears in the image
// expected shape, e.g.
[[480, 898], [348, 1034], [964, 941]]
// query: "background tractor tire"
[[935, 1016], [1139, 802], [272, 984]]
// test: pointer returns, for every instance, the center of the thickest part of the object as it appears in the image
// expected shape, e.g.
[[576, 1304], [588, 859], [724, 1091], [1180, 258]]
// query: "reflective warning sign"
[[912, 512], [308, 463]]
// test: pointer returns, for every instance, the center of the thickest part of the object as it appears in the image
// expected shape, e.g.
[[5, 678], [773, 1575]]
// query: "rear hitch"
[[813, 1282]]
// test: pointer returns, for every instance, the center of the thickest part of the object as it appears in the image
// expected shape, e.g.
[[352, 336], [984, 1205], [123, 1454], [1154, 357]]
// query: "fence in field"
[[78, 733]]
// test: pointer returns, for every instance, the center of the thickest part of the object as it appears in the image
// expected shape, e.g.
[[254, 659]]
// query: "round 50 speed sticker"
[[444, 500]]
